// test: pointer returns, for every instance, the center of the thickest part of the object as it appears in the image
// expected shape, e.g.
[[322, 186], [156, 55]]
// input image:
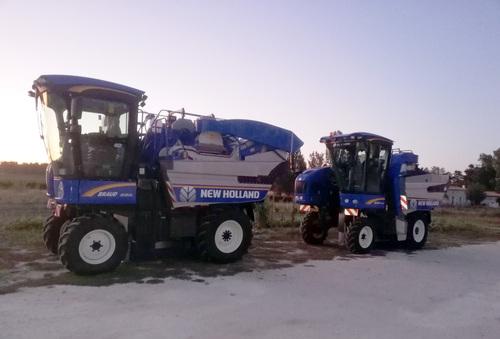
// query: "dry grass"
[[22, 204], [475, 222], [272, 214], [22, 209], [24, 232], [9, 180], [467, 222]]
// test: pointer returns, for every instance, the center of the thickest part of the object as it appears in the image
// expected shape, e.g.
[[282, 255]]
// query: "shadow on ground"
[[271, 249]]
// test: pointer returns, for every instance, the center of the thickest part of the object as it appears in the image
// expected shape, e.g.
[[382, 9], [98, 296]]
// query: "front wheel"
[[311, 230], [360, 236], [51, 230], [224, 235], [92, 244], [418, 229]]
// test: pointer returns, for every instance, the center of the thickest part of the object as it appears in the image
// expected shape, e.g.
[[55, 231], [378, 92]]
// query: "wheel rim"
[[96, 247], [365, 237], [228, 236], [418, 231]]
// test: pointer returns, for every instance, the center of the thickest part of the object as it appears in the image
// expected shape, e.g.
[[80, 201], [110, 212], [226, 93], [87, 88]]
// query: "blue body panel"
[[66, 190], [397, 184], [107, 192], [94, 192], [362, 201], [253, 130], [314, 186]]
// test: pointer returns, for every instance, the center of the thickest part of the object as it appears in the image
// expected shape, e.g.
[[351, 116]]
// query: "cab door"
[[104, 138]]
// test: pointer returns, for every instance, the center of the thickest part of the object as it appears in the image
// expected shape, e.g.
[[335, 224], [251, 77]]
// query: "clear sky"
[[423, 73]]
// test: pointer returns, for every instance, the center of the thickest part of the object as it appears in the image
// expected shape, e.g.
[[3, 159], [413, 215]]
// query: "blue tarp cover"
[[257, 131]]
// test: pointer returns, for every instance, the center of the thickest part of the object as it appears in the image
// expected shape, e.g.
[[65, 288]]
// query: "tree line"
[[482, 177], [24, 168], [477, 179]]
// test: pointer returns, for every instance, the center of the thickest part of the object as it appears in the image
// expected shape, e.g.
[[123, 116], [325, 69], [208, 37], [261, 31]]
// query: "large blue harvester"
[[122, 181]]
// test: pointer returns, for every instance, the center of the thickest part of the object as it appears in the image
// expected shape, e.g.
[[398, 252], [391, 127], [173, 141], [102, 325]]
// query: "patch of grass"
[[6, 184], [468, 222], [272, 214], [23, 232], [35, 185], [25, 224], [477, 222]]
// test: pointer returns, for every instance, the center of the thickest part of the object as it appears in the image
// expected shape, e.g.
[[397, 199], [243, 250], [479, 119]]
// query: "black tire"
[[221, 226], [78, 231], [311, 231], [418, 229], [51, 231], [358, 236]]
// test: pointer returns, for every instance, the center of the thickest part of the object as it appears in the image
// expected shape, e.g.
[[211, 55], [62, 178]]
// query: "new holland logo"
[[187, 194], [413, 204]]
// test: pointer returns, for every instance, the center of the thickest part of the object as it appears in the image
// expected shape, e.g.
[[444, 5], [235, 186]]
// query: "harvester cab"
[[89, 127], [370, 192], [121, 180], [360, 164]]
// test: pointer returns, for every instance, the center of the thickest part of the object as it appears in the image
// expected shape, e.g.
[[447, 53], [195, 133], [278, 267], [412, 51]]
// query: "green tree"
[[299, 163], [316, 159], [457, 178], [475, 193], [484, 174], [496, 165], [488, 174], [285, 181]]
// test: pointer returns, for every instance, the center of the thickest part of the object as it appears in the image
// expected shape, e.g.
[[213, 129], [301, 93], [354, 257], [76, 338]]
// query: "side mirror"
[[76, 108]]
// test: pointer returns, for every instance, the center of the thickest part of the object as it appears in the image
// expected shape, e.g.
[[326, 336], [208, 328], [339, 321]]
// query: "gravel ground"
[[435, 293]]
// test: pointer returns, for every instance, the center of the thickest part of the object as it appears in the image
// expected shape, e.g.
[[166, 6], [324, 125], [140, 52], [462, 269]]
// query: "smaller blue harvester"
[[370, 192]]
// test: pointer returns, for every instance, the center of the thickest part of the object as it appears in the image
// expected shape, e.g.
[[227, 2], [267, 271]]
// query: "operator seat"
[[112, 124]]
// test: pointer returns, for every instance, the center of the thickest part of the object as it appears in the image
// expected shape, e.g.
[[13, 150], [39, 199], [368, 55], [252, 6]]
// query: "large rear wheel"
[[418, 228], [224, 235], [93, 244], [311, 230]]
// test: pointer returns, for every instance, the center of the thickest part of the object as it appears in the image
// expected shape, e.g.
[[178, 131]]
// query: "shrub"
[[25, 224], [262, 214], [35, 185], [6, 184], [475, 193], [270, 214]]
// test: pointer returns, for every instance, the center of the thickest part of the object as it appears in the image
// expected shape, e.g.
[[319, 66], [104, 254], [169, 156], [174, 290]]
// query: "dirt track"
[[271, 249], [282, 289]]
